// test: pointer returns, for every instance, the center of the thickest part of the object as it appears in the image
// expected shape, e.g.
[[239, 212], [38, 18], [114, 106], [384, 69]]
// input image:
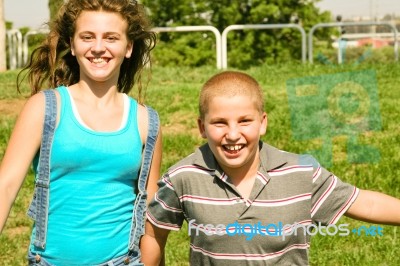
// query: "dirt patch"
[[17, 231], [11, 107], [179, 128], [182, 123]]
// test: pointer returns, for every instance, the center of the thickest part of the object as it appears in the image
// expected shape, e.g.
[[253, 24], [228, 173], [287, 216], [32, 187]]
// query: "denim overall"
[[38, 210]]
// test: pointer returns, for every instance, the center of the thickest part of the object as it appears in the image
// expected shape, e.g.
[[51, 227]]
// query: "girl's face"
[[100, 45], [233, 126]]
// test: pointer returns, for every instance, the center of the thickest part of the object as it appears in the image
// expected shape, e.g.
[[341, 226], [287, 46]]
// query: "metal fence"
[[18, 45]]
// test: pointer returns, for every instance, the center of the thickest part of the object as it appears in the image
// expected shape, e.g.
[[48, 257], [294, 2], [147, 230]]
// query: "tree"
[[246, 48], [3, 64], [54, 6]]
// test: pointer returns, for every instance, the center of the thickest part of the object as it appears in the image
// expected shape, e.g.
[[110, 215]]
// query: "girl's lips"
[[99, 60]]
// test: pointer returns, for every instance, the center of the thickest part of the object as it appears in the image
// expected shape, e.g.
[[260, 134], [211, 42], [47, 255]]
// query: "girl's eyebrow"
[[104, 33]]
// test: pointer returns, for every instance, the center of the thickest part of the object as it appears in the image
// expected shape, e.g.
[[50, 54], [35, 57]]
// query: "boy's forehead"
[[235, 86], [237, 100]]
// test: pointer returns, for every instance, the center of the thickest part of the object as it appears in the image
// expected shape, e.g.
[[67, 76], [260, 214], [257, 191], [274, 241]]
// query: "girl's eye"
[[87, 37], [111, 39]]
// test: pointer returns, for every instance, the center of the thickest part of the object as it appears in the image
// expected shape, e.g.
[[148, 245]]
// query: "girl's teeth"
[[98, 60]]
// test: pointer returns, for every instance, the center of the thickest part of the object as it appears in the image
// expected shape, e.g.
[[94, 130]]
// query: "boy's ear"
[[264, 123], [202, 130]]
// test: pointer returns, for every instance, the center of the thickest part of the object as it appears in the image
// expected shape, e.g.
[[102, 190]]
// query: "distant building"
[[375, 36]]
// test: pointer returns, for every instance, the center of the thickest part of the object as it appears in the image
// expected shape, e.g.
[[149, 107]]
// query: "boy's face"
[[232, 127]]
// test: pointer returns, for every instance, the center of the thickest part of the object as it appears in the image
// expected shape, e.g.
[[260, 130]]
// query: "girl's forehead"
[[102, 18]]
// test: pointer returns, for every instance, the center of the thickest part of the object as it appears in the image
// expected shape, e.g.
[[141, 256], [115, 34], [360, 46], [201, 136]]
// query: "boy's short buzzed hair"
[[230, 83]]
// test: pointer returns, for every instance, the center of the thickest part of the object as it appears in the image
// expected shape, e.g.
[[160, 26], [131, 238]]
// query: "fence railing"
[[260, 27], [197, 28], [343, 24], [25, 48], [18, 45]]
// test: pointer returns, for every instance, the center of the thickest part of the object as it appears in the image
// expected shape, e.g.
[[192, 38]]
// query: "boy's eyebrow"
[[213, 119]]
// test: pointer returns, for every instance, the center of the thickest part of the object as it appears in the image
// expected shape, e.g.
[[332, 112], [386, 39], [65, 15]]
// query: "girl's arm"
[[152, 245], [154, 174], [375, 207], [21, 149]]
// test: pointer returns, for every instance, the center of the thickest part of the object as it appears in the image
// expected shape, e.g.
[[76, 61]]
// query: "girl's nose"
[[98, 47]]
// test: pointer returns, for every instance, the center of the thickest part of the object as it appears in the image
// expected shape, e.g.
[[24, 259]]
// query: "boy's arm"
[[152, 245], [375, 207]]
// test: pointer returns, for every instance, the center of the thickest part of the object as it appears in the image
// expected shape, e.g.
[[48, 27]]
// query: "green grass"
[[173, 93]]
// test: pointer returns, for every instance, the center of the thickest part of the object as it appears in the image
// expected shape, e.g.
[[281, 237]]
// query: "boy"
[[247, 202]]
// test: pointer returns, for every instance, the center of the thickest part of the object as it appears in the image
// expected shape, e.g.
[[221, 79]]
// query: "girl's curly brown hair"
[[52, 61]]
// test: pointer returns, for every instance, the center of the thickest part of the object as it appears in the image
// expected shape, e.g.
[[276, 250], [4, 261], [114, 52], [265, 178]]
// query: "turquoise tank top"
[[92, 189]]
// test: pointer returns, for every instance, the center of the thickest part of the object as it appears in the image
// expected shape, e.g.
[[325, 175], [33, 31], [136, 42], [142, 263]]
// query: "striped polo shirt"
[[292, 198]]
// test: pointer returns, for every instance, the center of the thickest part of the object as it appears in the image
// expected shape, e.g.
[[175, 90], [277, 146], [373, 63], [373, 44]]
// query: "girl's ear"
[[129, 50], [71, 43], [202, 130]]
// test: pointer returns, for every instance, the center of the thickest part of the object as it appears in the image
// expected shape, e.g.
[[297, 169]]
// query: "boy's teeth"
[[234, 148]]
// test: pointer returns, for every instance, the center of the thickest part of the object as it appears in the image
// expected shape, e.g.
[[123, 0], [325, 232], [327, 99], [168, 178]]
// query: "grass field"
[[173, 93]]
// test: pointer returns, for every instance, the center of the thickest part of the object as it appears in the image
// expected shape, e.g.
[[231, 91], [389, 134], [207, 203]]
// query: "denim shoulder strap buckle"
[[138, 218], [38, 210]]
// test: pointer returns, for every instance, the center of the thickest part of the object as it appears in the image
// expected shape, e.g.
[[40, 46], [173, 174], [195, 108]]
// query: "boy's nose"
[[233, 133]]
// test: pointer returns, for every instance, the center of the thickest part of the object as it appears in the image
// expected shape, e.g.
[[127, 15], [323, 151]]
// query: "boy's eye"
[[218, 123], [245, 121]]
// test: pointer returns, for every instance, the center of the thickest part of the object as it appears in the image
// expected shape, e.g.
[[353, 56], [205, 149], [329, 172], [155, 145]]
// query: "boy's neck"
[[244, 185], [243, 179]]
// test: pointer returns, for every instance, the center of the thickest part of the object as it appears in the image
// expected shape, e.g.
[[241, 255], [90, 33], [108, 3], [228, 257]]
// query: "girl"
[[90, 212]]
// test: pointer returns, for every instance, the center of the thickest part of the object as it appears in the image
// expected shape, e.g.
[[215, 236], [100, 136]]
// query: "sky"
[[35, 12], [26, 13]]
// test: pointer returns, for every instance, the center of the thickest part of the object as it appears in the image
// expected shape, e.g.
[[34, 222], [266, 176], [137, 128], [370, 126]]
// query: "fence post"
[[14, 38]]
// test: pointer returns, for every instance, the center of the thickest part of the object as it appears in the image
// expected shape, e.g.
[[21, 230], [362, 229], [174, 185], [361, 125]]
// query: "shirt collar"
[[270, 157]]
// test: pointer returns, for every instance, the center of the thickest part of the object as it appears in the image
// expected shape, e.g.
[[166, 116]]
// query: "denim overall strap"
[[138, 218], [38, 209]]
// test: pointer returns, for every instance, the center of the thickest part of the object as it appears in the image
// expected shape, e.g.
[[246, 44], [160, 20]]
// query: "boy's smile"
[[233, 126]]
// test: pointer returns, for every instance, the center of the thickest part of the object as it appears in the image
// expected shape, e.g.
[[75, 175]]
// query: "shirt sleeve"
[[165, 210], [331, 197]]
